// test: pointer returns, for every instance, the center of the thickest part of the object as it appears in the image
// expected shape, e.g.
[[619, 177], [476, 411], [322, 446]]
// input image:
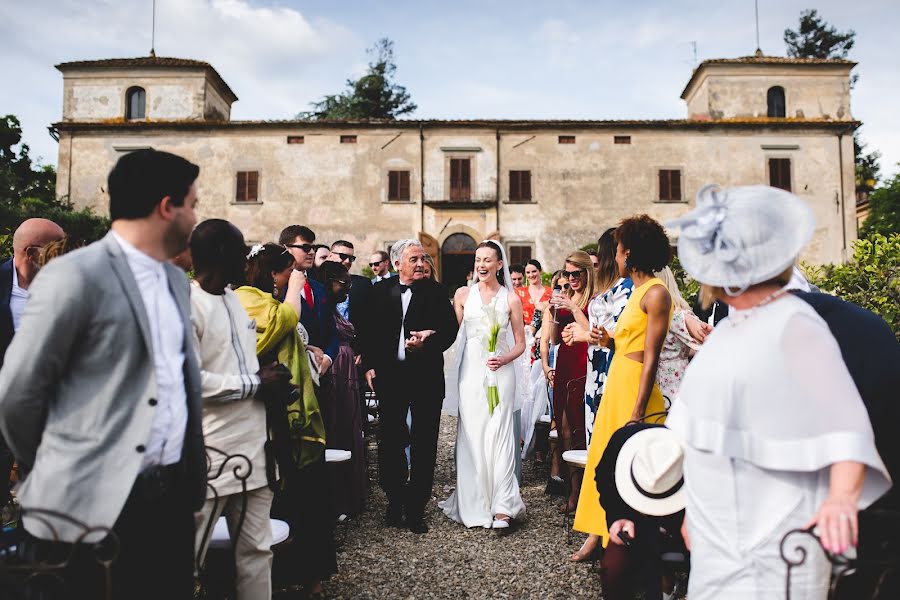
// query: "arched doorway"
[[457, 260]]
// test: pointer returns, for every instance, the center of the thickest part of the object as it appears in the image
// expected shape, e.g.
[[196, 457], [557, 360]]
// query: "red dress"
[[527, 304], [568, 387]]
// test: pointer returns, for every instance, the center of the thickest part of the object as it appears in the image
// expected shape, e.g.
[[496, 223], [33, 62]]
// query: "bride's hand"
[[495, 362]]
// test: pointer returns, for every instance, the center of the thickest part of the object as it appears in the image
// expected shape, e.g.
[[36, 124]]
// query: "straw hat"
[[649, 472]]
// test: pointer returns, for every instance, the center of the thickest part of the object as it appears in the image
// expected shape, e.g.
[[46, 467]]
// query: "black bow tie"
[[404, 287]]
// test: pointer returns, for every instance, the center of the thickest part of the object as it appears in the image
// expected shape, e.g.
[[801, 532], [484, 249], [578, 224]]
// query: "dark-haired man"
[[234, 416], [353, 307], [315, 316], [107, 418]]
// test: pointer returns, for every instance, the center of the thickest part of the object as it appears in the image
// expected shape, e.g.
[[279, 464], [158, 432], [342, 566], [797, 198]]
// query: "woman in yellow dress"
[[631, 392]]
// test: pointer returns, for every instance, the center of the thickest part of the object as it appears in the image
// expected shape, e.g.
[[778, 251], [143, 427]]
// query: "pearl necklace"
[[735, 320]]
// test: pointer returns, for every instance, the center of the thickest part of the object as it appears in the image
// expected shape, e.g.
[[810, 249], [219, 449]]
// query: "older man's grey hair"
[[400, 247]]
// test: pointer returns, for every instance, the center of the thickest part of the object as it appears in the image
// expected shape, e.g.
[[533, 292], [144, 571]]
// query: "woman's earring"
[[274, 288]]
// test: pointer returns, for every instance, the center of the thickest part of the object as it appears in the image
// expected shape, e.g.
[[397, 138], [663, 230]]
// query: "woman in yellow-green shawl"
[[304, 499]]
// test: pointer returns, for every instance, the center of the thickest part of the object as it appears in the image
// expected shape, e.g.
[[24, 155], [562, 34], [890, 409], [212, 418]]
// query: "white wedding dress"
[[486, 444]]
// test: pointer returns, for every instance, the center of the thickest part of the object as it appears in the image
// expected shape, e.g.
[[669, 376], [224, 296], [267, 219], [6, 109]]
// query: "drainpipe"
[[840, 137], [497, 205], [421, 178]]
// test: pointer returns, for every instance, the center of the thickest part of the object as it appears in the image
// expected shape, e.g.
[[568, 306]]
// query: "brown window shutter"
[[519, 255], [526, 190], [466, 180], [675, 183], [393, 186], [514, 188], [567, 139], [403, 185], [241, 194], [252, 186], [663, 185], [780, 173]]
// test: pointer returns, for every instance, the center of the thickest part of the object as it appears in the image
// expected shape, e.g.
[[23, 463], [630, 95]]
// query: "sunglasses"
[[305, 247], [375, 264], [344, 257], [574, 274]]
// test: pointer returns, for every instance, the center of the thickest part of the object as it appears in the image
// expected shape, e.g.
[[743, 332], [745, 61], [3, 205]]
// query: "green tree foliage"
[[884, 210], [867, 168], [814, 38], [687, 285], [27, 190], [375, 95], [871, 279]]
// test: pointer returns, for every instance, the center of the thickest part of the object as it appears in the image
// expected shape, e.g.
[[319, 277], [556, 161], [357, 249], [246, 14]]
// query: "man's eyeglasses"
[[305, 247], [344, 257], [574, 274], [375, 264]]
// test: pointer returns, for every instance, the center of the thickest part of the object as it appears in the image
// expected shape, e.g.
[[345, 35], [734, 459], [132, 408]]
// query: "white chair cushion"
[[220, 540], [576, 458], [332, 455]]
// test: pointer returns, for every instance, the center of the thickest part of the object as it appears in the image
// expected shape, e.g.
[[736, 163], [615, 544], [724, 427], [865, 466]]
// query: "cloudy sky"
[[469, 58]]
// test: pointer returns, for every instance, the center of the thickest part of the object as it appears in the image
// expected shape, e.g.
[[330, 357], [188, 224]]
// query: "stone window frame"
[[409, 198], [509, 177], [469, 155]]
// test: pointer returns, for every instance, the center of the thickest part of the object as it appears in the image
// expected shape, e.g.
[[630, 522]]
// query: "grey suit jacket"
[[76, 389]]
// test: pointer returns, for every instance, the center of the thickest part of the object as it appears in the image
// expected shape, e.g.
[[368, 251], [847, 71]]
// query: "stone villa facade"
[[542, 187]]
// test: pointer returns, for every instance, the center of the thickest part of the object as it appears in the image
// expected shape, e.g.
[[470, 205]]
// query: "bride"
[[487, 491]]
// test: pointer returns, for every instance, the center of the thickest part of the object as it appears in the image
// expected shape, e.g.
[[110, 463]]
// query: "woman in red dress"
[[571, 361], [534, 293]]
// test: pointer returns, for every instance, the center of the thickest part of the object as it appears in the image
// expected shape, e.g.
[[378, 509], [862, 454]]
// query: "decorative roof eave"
[[157, 62], [753, 61], [507, 125]]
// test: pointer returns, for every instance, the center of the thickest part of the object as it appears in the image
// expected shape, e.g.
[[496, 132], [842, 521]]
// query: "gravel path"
[[451, 561]]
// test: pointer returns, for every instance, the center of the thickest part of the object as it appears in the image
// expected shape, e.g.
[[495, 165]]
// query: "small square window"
[[780, 173], [621, 139], [247, 186], [567, 139], [295, 139], [519, 254], [348, 139], [520, 186]]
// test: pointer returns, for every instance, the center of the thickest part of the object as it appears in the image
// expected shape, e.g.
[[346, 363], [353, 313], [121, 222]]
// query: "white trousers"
[[253, 548]]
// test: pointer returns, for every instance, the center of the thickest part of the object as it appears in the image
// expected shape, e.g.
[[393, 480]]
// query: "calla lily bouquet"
[[493, 392]]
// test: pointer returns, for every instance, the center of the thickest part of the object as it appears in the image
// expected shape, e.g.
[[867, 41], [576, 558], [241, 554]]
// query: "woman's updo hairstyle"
[[264, 260], [496, 248], [647, 243], [534, 263]]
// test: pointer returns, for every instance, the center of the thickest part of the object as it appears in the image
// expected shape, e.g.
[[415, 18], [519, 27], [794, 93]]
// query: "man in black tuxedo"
[[409, 326], [354, 307]]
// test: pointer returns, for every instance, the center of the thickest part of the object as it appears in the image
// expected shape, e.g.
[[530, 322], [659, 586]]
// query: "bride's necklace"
[[743, 315]]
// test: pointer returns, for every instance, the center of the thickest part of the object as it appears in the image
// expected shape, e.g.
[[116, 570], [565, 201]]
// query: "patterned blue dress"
[[603, 311]]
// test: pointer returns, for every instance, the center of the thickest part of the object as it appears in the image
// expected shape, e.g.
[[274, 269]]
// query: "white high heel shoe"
[[501, 523]]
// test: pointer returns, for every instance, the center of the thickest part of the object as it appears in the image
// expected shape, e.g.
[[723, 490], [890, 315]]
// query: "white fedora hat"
[[740, 236], [649, 472]]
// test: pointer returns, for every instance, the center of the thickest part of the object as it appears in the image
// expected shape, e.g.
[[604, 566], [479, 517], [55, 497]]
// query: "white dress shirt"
[[17, 299], [167, 341], [405, 297]]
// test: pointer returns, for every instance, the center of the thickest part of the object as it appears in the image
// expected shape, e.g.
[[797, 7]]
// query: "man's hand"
[[324, 364], [417, 339], [617, 528], [370, 379]]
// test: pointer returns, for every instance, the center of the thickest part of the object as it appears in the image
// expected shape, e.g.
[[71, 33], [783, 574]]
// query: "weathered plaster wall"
[[578, 190], [727, 91], [101, 96]]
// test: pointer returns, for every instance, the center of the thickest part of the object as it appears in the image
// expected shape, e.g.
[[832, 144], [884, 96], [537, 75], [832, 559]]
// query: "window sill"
[[401, 202], [670, 202], [525, 202], [236, 203]]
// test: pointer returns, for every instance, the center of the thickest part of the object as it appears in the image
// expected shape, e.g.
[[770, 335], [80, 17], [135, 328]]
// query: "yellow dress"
[[616, 406]]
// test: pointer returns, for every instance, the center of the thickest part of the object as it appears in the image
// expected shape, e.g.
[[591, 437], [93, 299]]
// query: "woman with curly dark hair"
[[630, 393]]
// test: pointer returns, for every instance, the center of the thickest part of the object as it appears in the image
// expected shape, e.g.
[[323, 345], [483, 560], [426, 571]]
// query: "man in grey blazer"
[[100, 390]]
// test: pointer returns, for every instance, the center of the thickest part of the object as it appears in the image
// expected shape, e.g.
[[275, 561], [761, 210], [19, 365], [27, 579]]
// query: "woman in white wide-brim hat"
[[775, 434]]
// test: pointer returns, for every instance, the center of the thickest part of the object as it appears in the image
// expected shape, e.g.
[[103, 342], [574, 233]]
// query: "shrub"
[[871, 279]]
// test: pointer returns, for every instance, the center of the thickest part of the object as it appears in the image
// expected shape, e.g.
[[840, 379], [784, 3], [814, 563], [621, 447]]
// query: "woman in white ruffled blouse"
[[774, 432]]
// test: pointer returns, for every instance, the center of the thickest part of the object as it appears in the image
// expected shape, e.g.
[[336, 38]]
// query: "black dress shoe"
[[394, 516], [417, 525]]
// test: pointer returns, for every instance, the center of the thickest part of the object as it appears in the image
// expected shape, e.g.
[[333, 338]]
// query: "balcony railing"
[[474, 194]]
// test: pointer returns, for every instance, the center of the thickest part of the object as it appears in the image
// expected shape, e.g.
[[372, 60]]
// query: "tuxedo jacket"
[[429, 308], [872, 355], [78, 387], [6, 322], [360, 291], [319, 321]]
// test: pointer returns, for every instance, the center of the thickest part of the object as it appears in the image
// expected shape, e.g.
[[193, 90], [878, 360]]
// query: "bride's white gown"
[[486, 445]]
